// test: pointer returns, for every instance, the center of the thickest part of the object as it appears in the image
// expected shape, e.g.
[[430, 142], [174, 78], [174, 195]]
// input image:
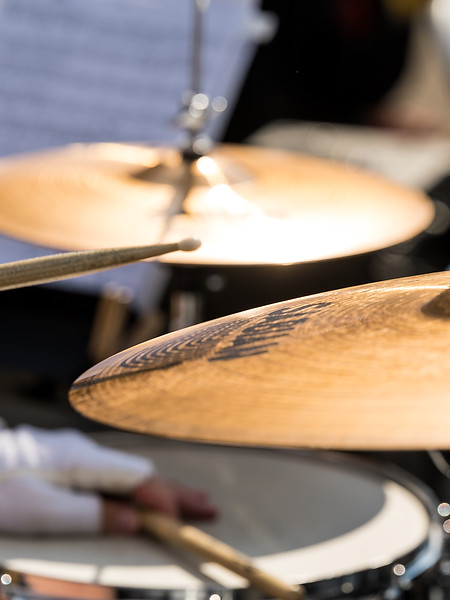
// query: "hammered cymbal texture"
[[364, 368]]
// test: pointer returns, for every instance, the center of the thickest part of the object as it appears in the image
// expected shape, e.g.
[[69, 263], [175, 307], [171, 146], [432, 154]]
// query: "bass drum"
[[340, 525]]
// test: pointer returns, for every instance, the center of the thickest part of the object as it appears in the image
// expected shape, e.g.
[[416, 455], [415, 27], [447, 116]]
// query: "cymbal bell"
[[248, 205], [362, 368]]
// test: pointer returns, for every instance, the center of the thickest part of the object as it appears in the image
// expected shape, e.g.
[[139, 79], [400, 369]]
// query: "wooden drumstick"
[[197, 541], [45, 269]]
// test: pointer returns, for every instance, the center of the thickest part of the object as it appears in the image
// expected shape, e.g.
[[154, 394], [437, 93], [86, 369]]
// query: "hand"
[[161, 495], [60, 482]]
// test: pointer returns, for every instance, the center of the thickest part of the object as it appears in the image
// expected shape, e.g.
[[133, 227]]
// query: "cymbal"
[[361, 368], [248, 205]]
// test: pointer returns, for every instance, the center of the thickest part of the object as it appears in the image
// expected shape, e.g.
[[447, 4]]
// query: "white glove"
[[49, 480]]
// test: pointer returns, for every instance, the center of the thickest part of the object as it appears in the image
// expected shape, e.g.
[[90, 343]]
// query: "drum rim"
[[417, 563]]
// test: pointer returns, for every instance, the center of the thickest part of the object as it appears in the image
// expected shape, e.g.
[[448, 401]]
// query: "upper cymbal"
[[363, 368], [248, 205]]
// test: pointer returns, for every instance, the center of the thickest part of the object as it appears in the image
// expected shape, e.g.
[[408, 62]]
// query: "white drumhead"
[[304, 518]]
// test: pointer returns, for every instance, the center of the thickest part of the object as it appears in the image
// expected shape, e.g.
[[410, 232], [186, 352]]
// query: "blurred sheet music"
[[95, 70]]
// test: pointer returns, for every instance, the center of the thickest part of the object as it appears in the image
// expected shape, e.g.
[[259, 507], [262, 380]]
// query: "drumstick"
[[45, 269], [197, 541]]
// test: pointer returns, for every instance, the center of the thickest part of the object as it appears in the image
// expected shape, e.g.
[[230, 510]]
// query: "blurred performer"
[[62, 482], [330, 60]]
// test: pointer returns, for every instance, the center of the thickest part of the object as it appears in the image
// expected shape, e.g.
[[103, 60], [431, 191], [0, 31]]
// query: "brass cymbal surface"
[[248, 205], [361, 368]]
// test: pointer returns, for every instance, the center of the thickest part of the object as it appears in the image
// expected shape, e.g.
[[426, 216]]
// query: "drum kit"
[[359, 368]]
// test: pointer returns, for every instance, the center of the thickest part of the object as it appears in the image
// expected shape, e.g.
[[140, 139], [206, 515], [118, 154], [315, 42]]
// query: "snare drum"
[[339, 525]]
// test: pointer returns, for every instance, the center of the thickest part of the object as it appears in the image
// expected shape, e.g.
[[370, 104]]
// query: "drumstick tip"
[[189, 244]]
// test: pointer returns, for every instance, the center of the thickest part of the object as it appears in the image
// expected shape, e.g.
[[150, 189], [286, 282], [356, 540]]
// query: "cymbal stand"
[[187, 297], [186, 306], [197, 106], [193, 118]]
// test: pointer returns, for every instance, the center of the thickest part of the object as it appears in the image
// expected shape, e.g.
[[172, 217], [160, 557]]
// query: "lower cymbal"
[[364, 368], [248, 205]]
